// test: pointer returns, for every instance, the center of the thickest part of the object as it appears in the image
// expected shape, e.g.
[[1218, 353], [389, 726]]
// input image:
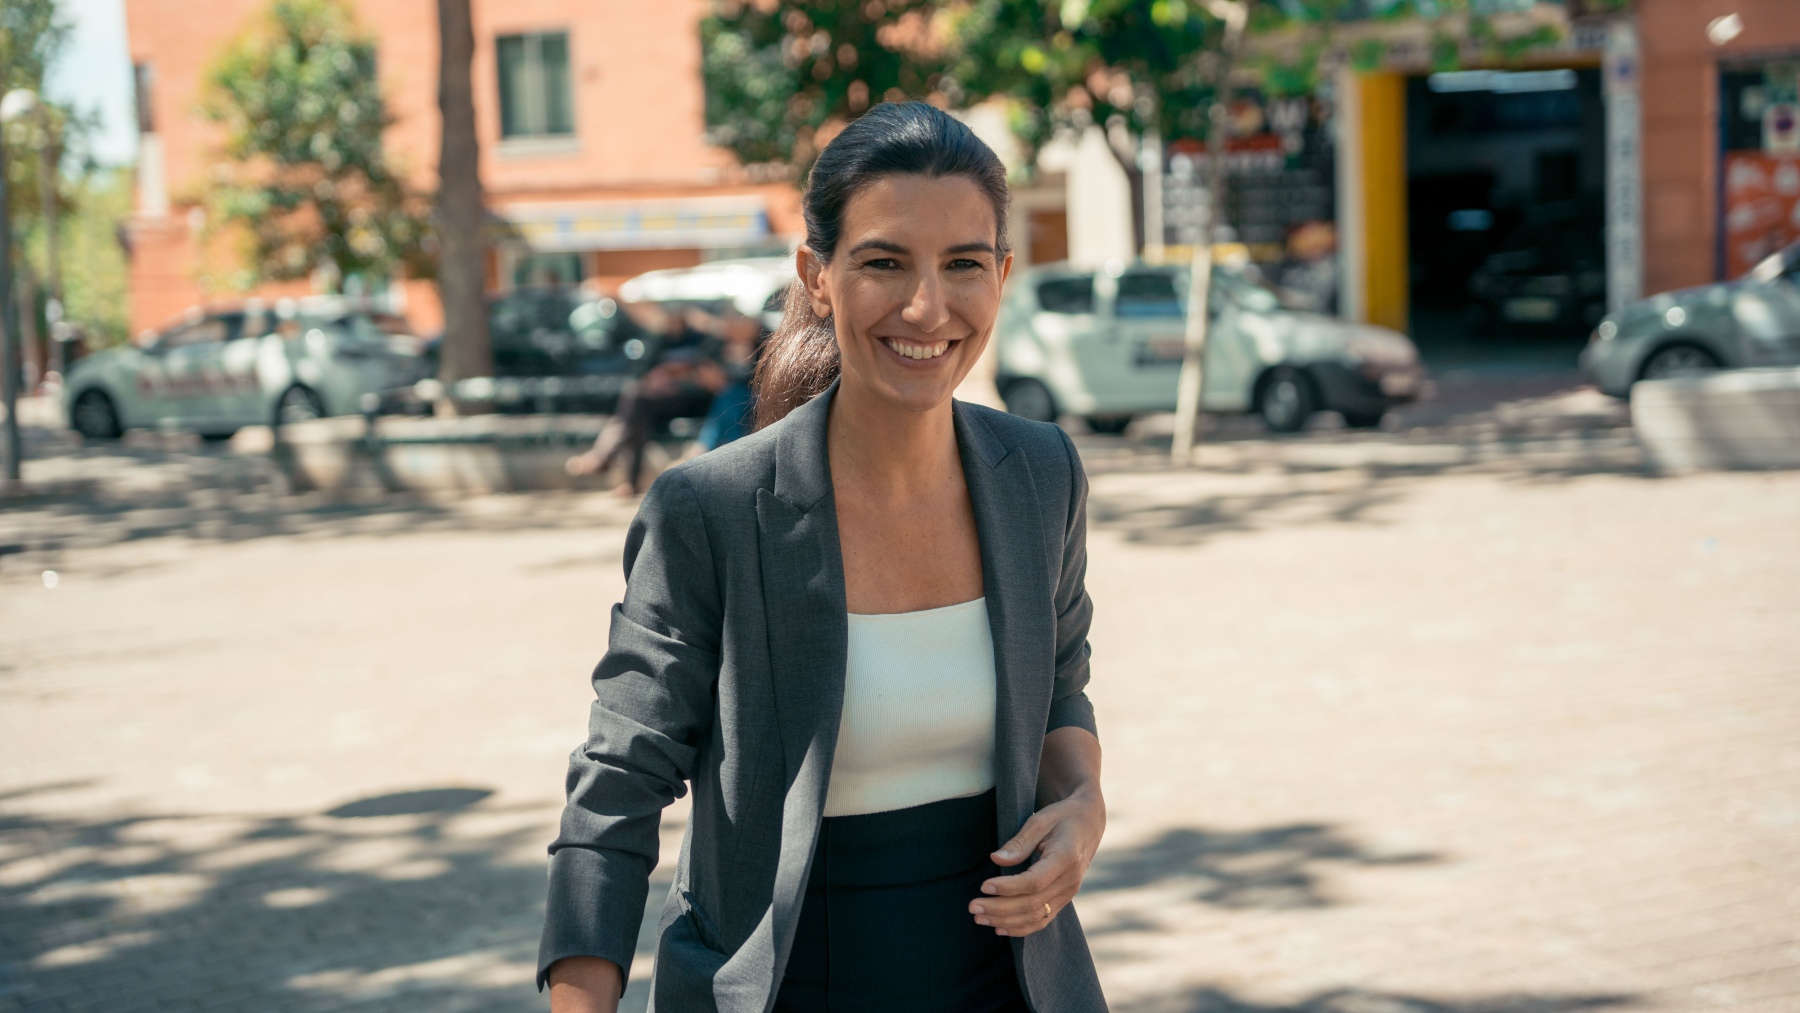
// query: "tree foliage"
[[781, 75], [1075, 62], [32, 36], [304, 173]]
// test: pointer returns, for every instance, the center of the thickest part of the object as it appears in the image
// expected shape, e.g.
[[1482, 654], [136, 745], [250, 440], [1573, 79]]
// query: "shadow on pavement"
[[1210, 1000], [1276, 868], [435, 908], [1250, 493], [82, 495]]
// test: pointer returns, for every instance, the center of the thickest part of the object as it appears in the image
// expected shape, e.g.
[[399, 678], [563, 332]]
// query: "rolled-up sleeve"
[[1074, 611], [652, 711]]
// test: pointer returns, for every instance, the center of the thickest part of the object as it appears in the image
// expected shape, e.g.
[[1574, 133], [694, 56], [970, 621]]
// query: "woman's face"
[[914, 286]]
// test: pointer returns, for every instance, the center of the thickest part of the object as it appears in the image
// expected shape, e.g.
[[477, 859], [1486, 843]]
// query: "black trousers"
[[886, 923], [642, 414]]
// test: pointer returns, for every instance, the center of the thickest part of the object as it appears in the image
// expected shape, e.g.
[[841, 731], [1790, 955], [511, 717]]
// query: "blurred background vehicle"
[[1108, 345], [752, 286], [559, 349], [225, 368], [1549, 271], [1753, 321]]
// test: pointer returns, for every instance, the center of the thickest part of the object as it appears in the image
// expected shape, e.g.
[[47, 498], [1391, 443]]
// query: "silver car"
[[218, 371], [1107, 345], [1754, 321]]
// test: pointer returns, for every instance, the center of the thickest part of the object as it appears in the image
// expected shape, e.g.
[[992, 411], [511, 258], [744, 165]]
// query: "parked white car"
[[1107, 345], [220, 370], [754, 286]]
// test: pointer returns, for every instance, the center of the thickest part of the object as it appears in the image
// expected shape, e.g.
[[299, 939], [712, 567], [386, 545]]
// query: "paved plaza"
[[1472, 716]]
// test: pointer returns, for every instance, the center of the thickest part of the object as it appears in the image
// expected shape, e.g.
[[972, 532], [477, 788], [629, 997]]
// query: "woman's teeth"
[[913, 351]]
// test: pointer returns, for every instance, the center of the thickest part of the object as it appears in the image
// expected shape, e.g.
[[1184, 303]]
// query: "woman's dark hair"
[[800, 359]]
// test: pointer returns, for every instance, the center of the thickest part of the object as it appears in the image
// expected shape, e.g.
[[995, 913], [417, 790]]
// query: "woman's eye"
[[882, 263], [965, 264]]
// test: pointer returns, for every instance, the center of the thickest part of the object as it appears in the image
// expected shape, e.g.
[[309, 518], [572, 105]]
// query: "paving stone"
[[1456, 732]]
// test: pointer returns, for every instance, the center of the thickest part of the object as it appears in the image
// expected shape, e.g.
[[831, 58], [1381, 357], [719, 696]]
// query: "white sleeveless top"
[[918, 721]]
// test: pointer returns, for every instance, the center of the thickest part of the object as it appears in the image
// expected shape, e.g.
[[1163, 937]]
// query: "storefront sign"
[[1762, 206], [704, 222], [1624, 169]]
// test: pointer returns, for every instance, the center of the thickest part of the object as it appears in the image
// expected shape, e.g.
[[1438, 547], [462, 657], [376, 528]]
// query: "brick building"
[[1712, 93], [591, 121]]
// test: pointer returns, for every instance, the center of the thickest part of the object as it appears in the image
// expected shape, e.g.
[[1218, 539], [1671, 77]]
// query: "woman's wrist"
[[585, 985]]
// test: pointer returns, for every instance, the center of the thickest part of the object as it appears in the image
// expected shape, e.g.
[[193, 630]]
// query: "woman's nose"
[[927, 310]]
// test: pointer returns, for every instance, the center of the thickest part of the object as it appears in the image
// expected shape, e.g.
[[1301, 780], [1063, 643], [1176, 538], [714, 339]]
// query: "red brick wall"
[[1681, 134]]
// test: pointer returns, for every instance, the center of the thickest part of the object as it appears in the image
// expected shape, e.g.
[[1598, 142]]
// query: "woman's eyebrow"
[[973, 248], [878, 244]]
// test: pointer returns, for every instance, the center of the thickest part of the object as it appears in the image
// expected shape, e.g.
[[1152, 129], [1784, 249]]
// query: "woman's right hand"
[[585, 985]]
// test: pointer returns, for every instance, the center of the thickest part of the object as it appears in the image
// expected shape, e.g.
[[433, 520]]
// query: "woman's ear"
[[812, 276]]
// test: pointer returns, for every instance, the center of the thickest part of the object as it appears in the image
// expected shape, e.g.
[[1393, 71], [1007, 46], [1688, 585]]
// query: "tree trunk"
[[9, 335], [462, 253], [1192, 384], [1134, 175]]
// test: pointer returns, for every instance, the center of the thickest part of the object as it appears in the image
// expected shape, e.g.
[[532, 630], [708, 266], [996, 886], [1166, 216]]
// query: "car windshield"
[[1247, 287], [1784, 263]]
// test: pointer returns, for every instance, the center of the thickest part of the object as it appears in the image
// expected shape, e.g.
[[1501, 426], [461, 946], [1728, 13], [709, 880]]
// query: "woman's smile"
[[917, 351]]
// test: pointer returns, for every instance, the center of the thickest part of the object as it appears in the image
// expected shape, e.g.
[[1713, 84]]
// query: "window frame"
[[535, 106]]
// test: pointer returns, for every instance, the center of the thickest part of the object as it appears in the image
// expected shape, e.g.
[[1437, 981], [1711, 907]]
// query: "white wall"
[[1099, 198]]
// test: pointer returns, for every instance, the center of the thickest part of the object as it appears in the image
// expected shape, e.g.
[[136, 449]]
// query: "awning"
[[705, 222]]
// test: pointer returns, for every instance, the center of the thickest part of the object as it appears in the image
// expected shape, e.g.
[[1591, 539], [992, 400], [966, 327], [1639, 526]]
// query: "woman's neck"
[[890, 451]]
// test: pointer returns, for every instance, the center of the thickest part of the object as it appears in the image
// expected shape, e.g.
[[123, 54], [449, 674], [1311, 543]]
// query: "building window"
[[534, 85], [141, 79]]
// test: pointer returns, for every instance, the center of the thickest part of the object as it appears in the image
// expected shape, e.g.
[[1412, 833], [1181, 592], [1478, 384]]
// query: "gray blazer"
[[725, 670]]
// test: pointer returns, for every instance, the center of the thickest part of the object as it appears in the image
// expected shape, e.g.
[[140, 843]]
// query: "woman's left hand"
[[1064, 835]]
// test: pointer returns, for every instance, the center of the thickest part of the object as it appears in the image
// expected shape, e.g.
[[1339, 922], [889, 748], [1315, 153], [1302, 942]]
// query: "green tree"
[[782, 75], [304, 174], [32, 35], [95, 275]]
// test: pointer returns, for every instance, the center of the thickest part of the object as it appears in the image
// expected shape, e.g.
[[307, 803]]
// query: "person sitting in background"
[[674, 386], [733, 408]]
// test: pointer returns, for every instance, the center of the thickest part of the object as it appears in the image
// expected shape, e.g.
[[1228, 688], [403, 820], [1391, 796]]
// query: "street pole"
[[53, 294], [1199, 316], [9, 329]]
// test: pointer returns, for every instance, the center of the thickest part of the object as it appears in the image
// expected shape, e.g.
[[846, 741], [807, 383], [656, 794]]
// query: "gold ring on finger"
[[1046, 909]]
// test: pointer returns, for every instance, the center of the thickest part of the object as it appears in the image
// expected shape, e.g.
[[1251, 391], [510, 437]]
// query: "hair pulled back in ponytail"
[[800, 360]]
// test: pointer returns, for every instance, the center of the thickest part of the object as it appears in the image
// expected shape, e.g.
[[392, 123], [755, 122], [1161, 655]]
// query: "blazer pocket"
[[704, 929]]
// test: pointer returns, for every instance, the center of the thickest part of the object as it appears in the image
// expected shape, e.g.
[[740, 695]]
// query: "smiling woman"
[[870, 183], [861, 635]]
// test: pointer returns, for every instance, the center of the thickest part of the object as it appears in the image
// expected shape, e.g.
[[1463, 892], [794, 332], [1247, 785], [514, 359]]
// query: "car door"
[[243, 399], [1242, 339], [1143, 347], [358, 360], [178, 385]]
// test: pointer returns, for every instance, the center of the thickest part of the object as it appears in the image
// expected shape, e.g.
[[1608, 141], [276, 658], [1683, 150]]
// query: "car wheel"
[[1286, 400], [1363, 420], [1109, 425], [94, 417], [298, 404], [1678, 360], [1030, 399]]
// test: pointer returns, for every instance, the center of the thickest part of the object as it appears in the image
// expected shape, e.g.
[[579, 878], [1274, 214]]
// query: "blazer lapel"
[[1015, 578], [804, 614], [803, 592]]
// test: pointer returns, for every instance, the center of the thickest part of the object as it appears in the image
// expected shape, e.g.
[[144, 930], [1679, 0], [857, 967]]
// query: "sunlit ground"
[[1477, 718]]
